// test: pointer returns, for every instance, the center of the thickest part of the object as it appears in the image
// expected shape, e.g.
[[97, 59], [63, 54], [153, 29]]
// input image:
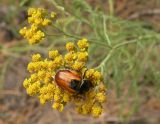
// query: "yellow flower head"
[[101, 97], [96, 111], [41, 74], [46, 22], [82, 56], [23, 31], [58, 61], [97, 75], [36, 57], [58, 106], [70, 46], [78, 65], [34, 77], [42, 84], [37, 18], [53, 14], [69, 57], [31, 11], [66, 97], [33, 89], [57, 97], [26, 83], [53, 54], [89, 73], [83, 44]]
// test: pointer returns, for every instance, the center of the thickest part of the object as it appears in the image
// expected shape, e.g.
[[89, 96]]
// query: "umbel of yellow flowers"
[[41, 82], [37, 18]]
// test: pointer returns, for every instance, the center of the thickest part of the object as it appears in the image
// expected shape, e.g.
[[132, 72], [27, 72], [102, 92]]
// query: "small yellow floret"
[[83, 44], [101, 97], [23, 31], [96, 111], [31, 11], [58, 94], [53, 14], [46, 22], [41, 74], [58, 61], [57, 97], [66, 97], [70, 57], [33, 89], [97, 75], [34, 37], [42, 100], [34, 77], [53, 54], [70, 46], [91, 94], [82, 56], [86, 108], [89, 73], [30, 20], [36, 57], [26, 83], [58, 106], [31, 67], [38, 21], [78, 65]]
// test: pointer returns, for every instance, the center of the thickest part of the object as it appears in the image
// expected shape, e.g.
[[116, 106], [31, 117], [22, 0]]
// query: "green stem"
[[79, 37], [111, 7], [105, 31], [112, 51], [116, 47], [124, 43], [106, 59]]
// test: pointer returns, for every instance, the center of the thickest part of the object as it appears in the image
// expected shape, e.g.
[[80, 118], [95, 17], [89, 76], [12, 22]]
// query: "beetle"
[[72, 82]]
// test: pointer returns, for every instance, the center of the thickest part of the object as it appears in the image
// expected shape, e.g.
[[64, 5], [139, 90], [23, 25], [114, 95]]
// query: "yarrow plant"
[[41, 82]]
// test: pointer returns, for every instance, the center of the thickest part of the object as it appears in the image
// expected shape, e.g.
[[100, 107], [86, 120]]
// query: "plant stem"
[[111, 7], [79, 37], [112, 51], [106, 59], [105, 31], [116, 47]]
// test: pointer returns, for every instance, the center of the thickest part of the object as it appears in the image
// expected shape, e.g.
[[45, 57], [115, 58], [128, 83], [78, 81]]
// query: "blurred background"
[[131, 75]]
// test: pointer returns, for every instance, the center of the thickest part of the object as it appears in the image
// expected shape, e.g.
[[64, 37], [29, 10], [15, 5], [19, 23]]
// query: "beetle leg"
[[83, 75], [53, 77]]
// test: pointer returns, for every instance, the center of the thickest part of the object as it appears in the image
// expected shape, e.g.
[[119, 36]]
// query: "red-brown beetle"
[[72, 82]]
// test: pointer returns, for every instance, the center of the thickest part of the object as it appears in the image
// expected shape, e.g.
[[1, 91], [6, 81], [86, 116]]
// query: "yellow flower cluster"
[[77, 58], [38, 18], [94, 76], [41, 83], [83, 44], [92, 101]]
